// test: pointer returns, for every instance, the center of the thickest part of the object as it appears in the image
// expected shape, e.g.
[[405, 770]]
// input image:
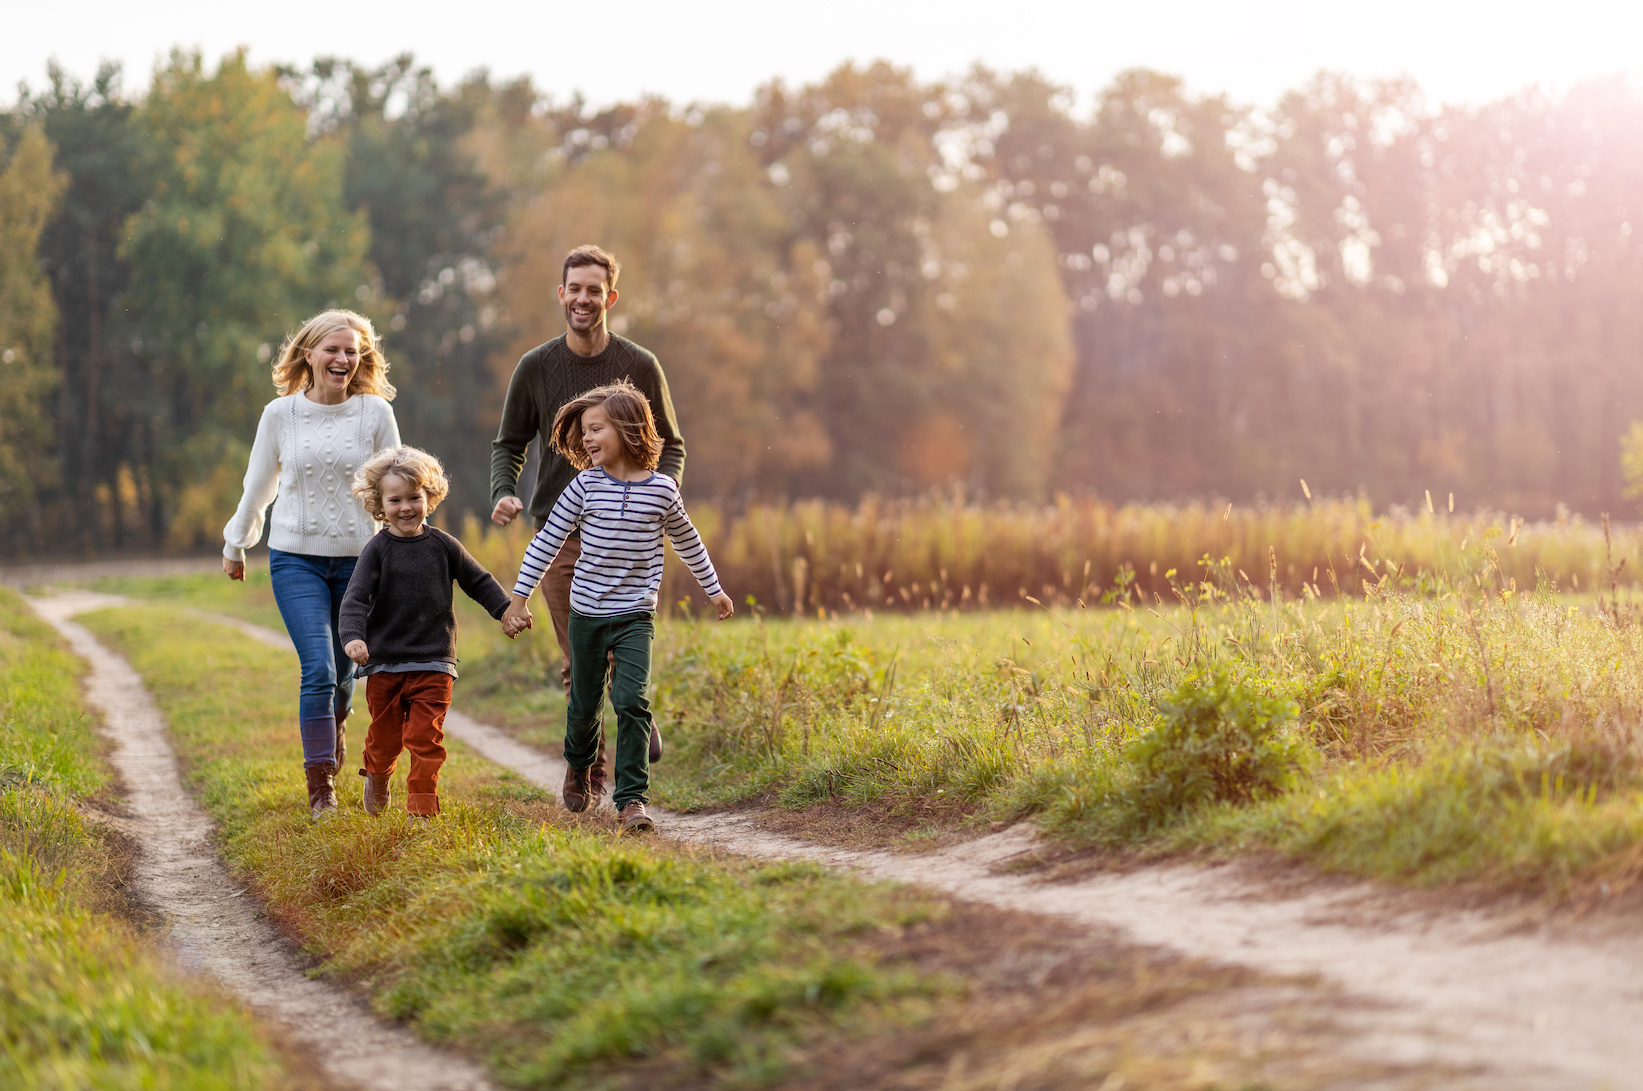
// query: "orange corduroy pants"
[[408, 713]]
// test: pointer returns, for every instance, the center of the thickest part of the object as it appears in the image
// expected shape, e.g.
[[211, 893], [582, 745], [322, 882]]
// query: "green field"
[[1434, 731], [556, 951]]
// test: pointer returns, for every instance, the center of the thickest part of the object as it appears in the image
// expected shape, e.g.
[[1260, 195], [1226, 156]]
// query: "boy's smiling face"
[[404, 505]]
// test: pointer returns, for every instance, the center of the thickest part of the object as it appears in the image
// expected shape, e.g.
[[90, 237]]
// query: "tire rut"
[[212, 925]]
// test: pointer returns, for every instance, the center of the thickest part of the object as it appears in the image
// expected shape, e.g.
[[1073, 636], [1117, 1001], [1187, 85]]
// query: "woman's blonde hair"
[[629, 413], [419, 469], [292, 373]]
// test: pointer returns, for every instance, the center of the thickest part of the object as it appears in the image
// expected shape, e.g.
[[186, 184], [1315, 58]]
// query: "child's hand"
[[357, 651], [726, 607], [517, 618]]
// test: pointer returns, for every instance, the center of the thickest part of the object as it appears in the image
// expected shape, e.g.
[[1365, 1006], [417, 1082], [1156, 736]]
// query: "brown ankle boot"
[[635, 820], [322, 788], [375, 795], [575, 791]]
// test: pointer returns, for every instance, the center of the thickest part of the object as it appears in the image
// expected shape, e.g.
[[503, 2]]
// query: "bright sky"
[[1459, 50]]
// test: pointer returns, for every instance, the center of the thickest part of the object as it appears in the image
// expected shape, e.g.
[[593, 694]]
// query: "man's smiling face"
[[585, 297]]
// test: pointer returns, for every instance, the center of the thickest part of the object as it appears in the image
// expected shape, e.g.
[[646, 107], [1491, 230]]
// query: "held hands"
[[357, 651], [234, 570], [725, 606], [517, 618], [505, 510]]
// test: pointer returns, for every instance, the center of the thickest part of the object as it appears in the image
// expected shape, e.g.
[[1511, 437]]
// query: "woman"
[[332, 414]]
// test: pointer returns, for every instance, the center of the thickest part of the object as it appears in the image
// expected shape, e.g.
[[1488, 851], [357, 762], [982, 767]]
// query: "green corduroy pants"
[[617, 647]]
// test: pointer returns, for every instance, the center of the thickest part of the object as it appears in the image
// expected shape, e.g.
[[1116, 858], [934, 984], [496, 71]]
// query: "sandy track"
[[1531, 1009], [212, 927]]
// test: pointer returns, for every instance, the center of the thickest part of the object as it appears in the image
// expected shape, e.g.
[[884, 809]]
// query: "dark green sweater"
[[547, 377]]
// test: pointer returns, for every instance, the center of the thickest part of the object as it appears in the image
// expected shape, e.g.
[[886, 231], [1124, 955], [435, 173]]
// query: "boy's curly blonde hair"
[[419, 468]]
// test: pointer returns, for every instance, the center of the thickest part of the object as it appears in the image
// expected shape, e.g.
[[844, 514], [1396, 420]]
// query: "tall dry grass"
[[813, 557]]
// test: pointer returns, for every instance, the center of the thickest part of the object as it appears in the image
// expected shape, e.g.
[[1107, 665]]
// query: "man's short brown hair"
[[589, 254], [629, 413]]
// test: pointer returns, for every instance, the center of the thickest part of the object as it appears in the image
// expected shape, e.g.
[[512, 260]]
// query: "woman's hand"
[[517, 618], [357, 651], [234, 570], [726, 607]]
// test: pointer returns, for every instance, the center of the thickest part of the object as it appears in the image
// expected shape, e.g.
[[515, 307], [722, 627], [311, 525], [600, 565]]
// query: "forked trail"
[[1519, 1008], [1524, 1009], [212, 928]]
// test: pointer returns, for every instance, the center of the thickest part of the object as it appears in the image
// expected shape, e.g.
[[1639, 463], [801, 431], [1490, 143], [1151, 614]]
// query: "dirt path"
[[1527, 1008], [212, 927]]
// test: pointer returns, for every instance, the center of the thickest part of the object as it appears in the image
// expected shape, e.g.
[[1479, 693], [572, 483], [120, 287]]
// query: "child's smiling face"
[[601, 440], [404, 505]]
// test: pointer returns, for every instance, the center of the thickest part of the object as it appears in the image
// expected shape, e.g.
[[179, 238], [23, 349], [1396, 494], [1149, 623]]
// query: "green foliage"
[[29, 192], [1217, 740], [83, 1002], [244, 236], [506, 928]]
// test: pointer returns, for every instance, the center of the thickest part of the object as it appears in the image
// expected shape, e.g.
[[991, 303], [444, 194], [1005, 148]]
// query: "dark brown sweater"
[[546, 378], [399, 600]]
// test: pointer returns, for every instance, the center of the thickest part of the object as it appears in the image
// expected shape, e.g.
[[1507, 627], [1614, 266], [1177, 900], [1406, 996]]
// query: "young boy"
[[397, 622]]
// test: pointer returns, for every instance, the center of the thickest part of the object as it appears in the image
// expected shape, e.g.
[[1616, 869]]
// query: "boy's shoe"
[[322, 789], [635, 820], [575, 790], [416, 819], [655, 743], [374, 797]]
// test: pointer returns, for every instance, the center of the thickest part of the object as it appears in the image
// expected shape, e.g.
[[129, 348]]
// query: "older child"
[[622, 508], [397, 622]]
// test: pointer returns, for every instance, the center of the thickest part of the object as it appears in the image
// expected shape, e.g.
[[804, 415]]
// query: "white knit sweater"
[[306, 454]]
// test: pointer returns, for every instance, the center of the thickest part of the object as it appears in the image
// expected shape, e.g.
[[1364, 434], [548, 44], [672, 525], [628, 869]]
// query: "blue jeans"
[[309, 593]]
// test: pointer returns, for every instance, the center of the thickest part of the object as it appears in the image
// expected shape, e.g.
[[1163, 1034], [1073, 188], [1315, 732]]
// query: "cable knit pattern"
[[303, 461]]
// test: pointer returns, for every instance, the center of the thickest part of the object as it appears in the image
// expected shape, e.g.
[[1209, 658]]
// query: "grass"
[[815, 558], [84, 1003], [1462, 725], [559, 952]]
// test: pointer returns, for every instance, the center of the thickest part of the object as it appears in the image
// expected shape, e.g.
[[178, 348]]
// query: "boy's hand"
[[357, 651], [726, 607], [517, 618]]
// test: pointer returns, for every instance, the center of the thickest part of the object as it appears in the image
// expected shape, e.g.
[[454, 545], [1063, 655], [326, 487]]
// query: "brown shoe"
[[596, 774], [322, 788], [575, 790], [635, 820], [375, 794]]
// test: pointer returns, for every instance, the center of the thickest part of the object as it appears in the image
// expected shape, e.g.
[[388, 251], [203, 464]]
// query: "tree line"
[[868, 285]]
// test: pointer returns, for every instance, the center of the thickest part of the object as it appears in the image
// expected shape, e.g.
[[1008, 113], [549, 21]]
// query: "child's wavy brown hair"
[[420, 469], [629, 413]]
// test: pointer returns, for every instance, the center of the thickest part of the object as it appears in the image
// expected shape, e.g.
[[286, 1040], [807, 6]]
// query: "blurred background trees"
[[870, 285]]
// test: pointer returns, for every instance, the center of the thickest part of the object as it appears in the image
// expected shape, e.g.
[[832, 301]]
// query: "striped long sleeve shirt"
[[622, 523]]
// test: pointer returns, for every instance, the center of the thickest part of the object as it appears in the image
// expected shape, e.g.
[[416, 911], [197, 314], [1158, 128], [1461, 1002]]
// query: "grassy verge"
[[83, 1002], [558, 952]]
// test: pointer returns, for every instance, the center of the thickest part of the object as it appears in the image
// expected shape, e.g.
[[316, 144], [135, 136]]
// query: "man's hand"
[[357, 651], [234, 570], [726, 607], [517, 618], [506, 509]]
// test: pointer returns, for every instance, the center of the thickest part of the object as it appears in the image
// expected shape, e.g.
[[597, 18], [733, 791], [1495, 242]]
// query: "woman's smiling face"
[[334, 361]]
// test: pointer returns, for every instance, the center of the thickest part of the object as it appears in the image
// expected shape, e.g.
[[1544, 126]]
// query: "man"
[[548, 376]]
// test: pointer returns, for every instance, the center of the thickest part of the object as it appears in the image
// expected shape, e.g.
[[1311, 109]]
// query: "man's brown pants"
[[408, 713]]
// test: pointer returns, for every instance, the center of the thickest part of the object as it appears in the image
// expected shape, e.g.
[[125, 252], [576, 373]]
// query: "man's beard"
[[570, 320]]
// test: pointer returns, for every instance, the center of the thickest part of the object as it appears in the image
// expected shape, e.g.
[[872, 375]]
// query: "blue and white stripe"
[[622, 524]]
